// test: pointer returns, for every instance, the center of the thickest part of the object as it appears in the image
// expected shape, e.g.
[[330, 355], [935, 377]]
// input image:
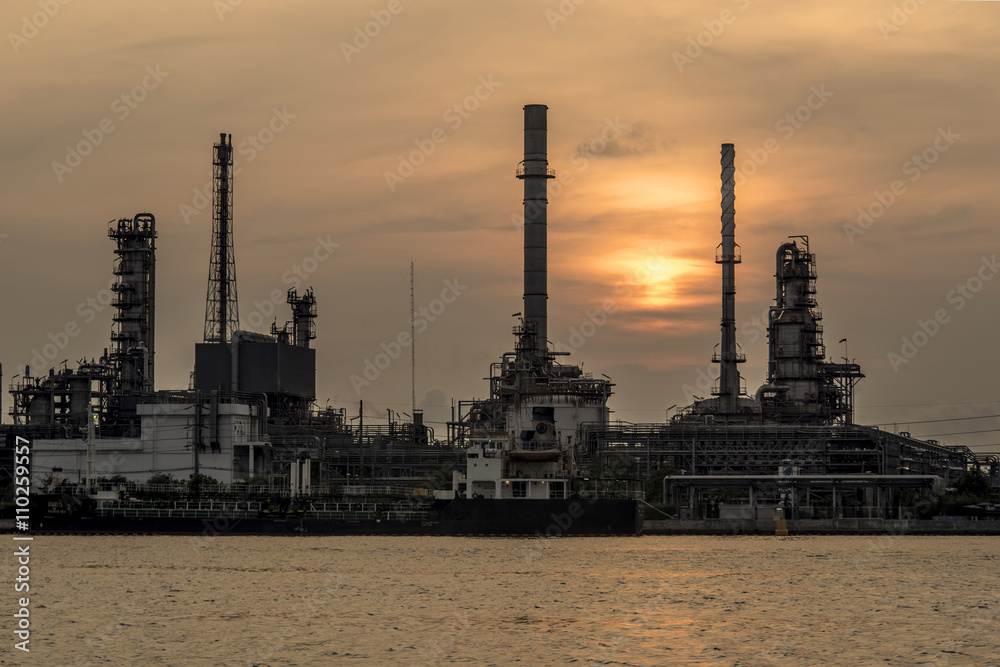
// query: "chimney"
[[728, 255], [534, 171]]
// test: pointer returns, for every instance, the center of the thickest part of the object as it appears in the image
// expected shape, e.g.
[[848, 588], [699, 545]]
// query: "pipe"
[[773, 388], [779, 272], [535, 173], [234, 371]]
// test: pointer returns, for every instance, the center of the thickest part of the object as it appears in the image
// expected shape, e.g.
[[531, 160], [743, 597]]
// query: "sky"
[[373, 134]]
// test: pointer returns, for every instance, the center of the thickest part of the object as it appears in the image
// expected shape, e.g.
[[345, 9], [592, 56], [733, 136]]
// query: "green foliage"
[[441, 479], [198, 483], [654, 483], [114, 479], [974, 483], [959, 504], [620, 467], [973, 488], [161, 478], [45, 482]]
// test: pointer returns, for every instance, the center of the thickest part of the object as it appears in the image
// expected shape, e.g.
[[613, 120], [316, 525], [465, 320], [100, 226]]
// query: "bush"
[[654, 483], [161, 478], [198, 483]]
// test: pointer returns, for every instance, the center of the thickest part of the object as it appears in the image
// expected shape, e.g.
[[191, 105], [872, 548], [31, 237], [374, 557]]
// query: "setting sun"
[[648, 276]]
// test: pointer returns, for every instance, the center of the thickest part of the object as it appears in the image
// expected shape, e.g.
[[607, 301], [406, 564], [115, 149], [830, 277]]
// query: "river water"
[[654, 600]]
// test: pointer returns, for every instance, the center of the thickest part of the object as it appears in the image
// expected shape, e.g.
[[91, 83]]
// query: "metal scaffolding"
[[221, 310]]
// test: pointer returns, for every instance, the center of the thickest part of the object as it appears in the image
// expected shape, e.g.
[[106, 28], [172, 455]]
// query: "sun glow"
[[657, 193], [651, 279]]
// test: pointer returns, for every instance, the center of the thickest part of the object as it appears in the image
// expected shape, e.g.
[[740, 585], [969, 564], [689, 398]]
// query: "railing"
[[344, 511], [521, 173], [531, 446], [612, 495], [722, 258]]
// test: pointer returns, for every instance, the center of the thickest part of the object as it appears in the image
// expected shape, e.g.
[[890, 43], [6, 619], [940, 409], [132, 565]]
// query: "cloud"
[[638, 139]]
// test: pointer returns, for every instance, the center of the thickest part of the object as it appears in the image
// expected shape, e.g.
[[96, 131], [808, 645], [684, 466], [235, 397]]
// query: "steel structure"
[[133, 337], [529, 379], [729, 401], [251, 410], [827, 496], [802, 386], [60, 400], [221, 310], [719, 449], [113, 385], [302, 329], [728, 255]]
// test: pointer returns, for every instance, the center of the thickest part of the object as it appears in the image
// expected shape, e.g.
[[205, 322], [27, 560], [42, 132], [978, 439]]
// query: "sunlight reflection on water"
[[437, 600]]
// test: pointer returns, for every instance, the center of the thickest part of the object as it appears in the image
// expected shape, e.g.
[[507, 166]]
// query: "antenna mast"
[[413, 354], [222, 315]]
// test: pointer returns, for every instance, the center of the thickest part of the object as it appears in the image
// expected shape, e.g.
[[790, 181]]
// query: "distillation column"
[[135, 304], [795, 336], [303, 317]]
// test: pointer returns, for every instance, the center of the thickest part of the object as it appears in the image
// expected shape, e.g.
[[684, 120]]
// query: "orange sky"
[[634, 224]]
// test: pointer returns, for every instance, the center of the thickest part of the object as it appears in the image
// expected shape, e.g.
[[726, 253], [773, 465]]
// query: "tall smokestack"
[[534, 171], [728, 256]]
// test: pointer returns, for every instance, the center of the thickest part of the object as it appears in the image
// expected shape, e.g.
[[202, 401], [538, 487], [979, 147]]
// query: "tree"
[[972, 488], [974, 483], [654, 483], [441, 479], [164, 478], [198, 483]]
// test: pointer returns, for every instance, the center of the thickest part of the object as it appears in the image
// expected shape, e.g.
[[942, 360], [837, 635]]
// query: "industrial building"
[[250, 411], [793, 443]]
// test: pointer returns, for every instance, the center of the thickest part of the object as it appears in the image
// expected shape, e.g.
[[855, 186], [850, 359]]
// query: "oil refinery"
[[249, 418]]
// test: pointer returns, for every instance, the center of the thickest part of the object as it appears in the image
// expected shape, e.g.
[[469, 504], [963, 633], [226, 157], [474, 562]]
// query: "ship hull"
[[461, 517]]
